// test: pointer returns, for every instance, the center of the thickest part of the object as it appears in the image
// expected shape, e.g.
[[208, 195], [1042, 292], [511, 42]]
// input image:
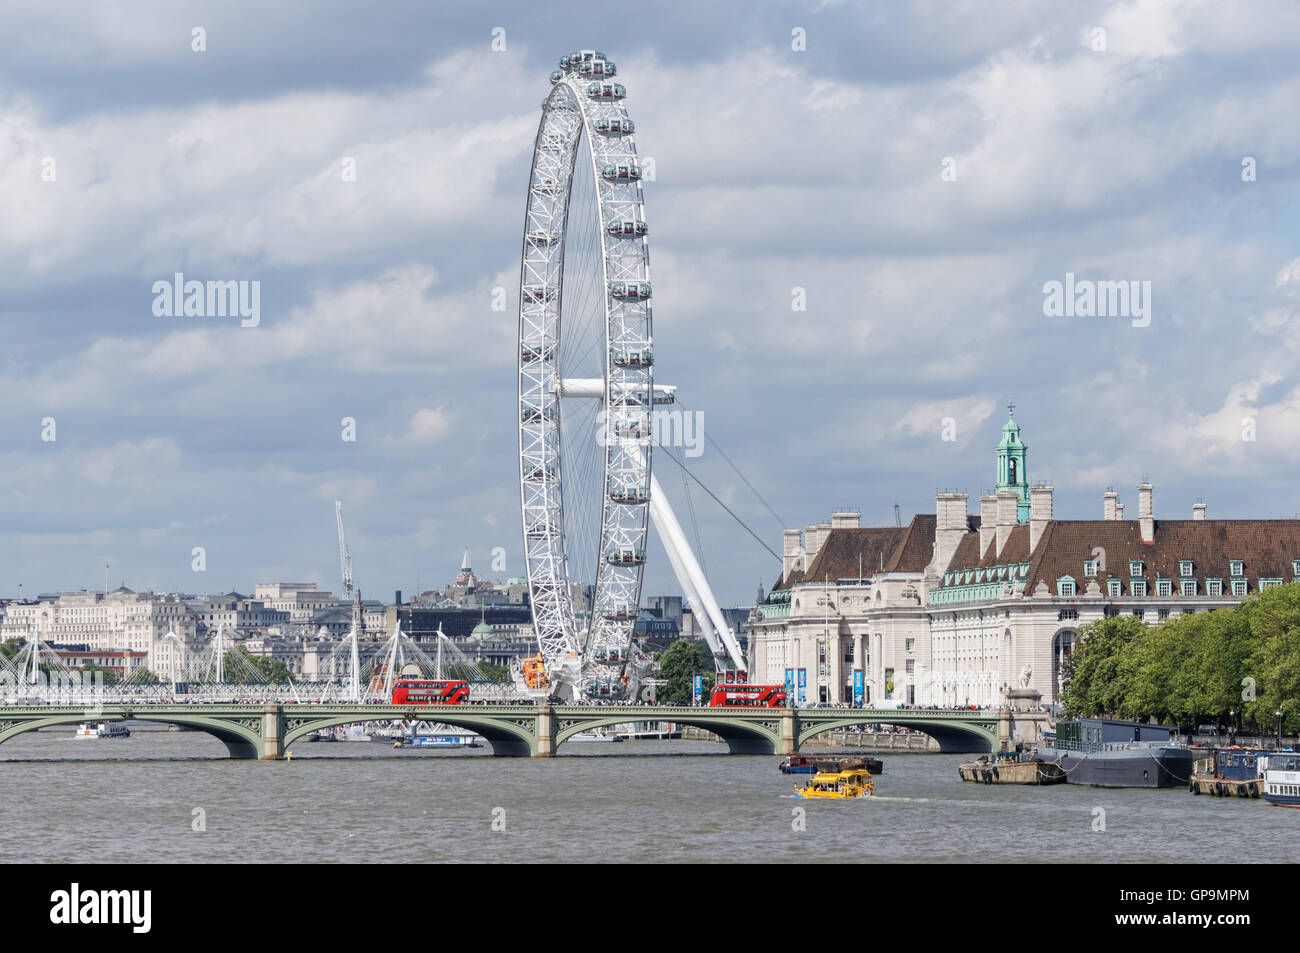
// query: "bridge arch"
[[953, 731], [757, 735], [511, 736], [242, 736]]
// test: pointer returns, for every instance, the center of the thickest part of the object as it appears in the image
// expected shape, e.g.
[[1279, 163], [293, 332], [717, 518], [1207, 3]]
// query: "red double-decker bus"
[[740, 695], [421, 691]]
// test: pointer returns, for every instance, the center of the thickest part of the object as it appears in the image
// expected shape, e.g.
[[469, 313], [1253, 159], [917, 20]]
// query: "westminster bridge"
[[268, 731]]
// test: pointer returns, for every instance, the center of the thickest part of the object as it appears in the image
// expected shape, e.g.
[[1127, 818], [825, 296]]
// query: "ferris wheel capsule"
[[606, 91], [625, 229]]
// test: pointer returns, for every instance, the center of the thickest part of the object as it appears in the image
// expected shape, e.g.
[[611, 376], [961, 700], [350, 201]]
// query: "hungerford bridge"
[[267, 731]]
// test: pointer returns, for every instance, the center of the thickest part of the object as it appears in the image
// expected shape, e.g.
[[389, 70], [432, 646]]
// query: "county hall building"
[[955, 608]]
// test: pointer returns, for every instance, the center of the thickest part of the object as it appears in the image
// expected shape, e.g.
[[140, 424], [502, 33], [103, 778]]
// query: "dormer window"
[[1065, 586], [1164, 587], [1235, 567], [1185, 568], [1090, 568], [1135, 567], [1113, 588], [1295, 567]]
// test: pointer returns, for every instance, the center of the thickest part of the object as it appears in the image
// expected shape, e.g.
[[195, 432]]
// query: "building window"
[[1138, 613], [909, 644], [1114, 588], [1164, 614], [1238, 587], [1090, 567], [1214, 587], [1235, 567], [1295, 567], [1269, 583], [1138, 587], [1110, 611], [1189, 587], [1185, 567], [1135, 567], [1164, 587], [1065, 614], [1065, 586], [910, 666]]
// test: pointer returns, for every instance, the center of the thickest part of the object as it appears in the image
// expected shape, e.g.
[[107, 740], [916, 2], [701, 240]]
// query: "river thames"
[[139, 799]]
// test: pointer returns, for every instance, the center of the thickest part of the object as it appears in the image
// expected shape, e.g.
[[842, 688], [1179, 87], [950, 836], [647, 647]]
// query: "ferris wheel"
[[586, 388]]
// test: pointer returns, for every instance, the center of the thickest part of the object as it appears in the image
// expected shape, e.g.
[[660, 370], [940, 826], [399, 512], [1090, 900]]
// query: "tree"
[[144, 676], [1095, 686], [678, 665], [109, 676], [271, 669], [1274, 660]]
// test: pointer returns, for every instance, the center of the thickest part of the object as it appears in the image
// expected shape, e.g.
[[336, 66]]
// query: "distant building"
[[118, 620], [300, 599]]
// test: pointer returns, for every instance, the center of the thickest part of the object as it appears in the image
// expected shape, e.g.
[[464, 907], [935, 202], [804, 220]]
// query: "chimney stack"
[[988, 521], [1109, 504], [814, 536], [950, 527], [397, 597], [1198, 511], [1008, 506], [1040, 513], [846, 519], [790, 559], [1119, 511], [1145, 515]]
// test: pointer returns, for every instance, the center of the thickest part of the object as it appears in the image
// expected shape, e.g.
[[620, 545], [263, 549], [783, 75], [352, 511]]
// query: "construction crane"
[[345, 557]]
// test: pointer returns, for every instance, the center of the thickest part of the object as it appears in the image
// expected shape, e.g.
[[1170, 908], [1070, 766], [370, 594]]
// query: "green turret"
[[1012, 474]]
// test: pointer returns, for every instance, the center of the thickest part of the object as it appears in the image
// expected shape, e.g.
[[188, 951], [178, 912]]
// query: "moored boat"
[[1011, 769], [1118, 754], [1229, 772], [1282, 779]]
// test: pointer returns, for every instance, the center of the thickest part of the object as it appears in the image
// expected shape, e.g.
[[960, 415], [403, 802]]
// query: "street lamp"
[[1279, 729]]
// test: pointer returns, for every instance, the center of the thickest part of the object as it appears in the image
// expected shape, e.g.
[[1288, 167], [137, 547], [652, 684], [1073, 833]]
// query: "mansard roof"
[[848, 553], [1267, 549]]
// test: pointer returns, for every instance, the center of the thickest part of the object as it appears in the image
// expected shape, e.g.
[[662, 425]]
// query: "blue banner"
[[789, 683], [858, 692], [697, 689], [803, 685]]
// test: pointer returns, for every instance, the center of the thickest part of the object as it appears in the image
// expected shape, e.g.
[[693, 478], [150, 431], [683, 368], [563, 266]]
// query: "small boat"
[[1230, 772], [798, 764], [840, 784], [102, 729], [1282, 779], [1011, 769]]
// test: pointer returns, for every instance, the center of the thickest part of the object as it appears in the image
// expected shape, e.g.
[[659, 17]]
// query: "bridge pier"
[[272, 733], [545, 731], [789, 733]]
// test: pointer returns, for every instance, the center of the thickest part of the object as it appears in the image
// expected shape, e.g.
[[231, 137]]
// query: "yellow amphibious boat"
[[837, 784]]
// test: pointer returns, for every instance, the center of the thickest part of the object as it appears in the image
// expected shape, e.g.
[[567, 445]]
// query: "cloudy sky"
[[921, 170]]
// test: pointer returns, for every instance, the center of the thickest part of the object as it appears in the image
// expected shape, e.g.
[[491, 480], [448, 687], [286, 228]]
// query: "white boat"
[[597, 734], [1282, 779], [102, 729]]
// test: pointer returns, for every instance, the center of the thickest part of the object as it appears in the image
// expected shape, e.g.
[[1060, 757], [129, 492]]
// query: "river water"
[[139, 799]]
